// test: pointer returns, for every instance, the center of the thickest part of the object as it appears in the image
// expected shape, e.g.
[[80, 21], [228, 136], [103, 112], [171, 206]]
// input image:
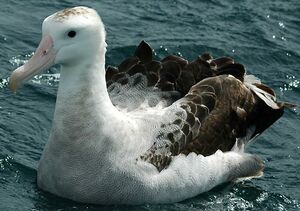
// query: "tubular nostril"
[[45, 52]]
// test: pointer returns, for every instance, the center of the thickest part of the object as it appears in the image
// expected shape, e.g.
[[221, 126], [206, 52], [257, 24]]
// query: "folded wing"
[[215, 105]]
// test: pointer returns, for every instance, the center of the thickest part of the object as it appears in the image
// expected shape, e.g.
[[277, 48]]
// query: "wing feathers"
[[144, 52], [218, 104]]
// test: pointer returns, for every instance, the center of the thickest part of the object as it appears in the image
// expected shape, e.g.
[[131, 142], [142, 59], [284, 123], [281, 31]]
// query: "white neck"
[[83, 105], [84, 76]]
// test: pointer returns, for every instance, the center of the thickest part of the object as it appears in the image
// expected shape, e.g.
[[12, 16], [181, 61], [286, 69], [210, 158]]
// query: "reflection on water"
[[292, 83]]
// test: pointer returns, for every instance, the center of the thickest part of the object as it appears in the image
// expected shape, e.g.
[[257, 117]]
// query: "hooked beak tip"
[[13, 84]]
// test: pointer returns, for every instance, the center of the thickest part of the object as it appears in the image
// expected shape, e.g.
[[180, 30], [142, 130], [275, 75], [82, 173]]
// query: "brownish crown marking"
[[66, 13]]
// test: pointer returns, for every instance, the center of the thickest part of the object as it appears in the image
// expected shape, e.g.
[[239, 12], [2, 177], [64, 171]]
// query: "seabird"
[[146, 131]]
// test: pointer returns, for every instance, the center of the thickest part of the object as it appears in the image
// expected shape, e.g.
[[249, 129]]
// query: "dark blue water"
[[263, 35]]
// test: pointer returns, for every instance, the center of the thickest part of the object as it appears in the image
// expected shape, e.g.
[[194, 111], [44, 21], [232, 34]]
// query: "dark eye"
[[71, 34]]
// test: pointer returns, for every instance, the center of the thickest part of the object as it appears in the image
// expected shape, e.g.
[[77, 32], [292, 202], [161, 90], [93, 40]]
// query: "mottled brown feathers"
[[173, 72], [215, 109], [64, 14]]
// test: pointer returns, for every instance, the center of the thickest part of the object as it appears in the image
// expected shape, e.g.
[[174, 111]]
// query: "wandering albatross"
[[146, 131]]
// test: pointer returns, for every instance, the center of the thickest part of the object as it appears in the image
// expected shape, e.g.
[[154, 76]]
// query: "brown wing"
[[173, 76], [219, 110], [216, 107]]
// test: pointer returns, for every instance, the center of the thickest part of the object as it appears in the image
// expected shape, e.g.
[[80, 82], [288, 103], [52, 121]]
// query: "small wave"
[[3, 82], [47, 78], [292, 83], [20, 59], [5, 161]]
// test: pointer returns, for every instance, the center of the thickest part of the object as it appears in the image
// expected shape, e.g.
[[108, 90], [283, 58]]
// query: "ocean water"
[[263, 35]]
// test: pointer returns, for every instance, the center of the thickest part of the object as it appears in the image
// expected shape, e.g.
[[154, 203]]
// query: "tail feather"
[[263, 92], [267, 110], [287, 104], [269, 99], [251, 79]]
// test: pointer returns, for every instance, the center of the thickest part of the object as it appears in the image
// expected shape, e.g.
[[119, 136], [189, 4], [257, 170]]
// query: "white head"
[[69, 36]]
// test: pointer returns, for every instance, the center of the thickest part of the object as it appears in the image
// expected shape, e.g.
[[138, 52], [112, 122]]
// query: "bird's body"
[[148, 131]]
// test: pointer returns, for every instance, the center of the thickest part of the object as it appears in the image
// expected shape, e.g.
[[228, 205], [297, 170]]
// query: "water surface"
[[263, 35]]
